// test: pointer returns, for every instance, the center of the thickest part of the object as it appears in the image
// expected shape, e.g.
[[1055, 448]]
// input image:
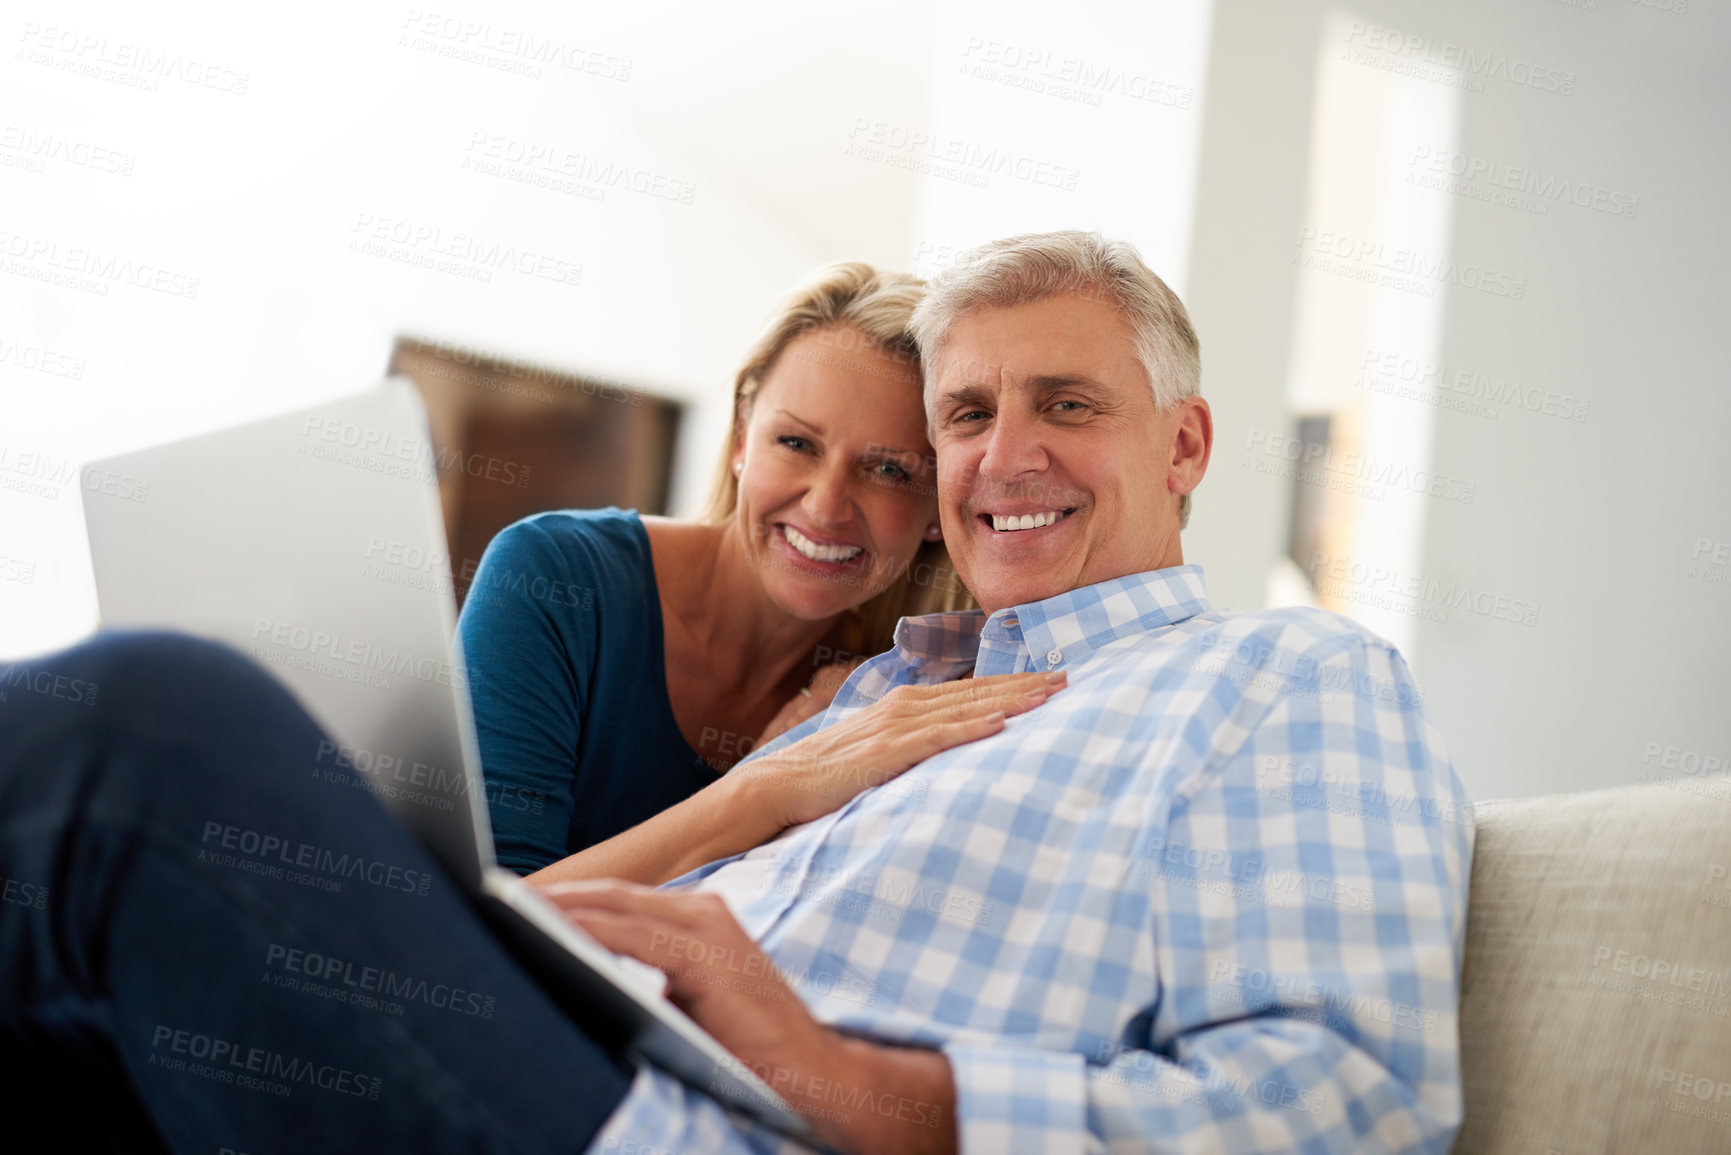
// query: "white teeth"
[[1013, 523], [816, 552]]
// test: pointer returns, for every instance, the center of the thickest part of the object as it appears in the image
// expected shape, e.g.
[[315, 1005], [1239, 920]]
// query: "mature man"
[[1210, 897]]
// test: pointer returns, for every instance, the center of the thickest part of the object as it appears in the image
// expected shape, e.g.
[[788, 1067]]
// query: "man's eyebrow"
[[965, 395], [1044, 383], [1050, 381]]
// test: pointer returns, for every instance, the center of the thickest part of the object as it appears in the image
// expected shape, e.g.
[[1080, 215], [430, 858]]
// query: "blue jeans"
[[206, 946]]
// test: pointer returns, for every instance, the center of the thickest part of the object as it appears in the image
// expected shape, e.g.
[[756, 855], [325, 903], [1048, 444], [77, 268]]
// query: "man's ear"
[[1192, 443]]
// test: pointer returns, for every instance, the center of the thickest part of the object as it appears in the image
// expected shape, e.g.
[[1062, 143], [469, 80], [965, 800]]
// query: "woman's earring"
[[738, 467], [934, 533]]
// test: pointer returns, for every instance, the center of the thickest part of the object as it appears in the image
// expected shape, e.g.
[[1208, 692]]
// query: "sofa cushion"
[[1596, 990]]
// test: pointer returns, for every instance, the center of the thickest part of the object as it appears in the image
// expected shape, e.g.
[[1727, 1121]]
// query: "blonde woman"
[[620, 664]]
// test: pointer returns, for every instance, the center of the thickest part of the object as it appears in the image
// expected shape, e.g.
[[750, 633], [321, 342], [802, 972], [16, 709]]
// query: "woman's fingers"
[[997, 688], [1012, 697]]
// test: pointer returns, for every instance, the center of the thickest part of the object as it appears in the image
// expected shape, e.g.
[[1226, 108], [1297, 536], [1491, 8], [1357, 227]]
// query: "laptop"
[[314, 542]]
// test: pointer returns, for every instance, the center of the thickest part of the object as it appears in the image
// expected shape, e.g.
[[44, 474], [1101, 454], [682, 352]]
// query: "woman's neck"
[[718, 607]]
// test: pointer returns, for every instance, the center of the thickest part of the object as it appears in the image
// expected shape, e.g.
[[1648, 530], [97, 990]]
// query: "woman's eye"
[[798, 444], [890, 471]]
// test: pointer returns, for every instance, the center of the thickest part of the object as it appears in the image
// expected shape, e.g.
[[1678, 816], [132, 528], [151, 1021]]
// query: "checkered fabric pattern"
[[1210, 897]]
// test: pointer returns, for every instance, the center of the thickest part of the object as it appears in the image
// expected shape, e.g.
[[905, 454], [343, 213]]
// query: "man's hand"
[[858, 1096]]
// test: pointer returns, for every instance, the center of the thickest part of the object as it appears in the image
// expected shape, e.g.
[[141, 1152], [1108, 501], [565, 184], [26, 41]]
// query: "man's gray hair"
[[1031, 267]]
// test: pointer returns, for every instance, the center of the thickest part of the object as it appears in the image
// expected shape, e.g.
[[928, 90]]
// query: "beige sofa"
[[1596, 993]]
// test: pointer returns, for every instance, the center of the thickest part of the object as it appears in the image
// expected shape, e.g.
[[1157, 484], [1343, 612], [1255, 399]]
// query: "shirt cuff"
[[1019, 1101]]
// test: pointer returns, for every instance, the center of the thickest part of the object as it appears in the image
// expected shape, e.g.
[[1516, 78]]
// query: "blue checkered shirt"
[[1210, 897]]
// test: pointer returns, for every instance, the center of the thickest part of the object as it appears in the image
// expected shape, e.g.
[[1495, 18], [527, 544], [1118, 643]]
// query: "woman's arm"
[[808, 779], [530, 697]]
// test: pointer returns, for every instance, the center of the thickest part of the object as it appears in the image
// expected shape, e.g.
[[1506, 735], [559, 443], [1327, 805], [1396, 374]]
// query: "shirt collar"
[[1071, 625]]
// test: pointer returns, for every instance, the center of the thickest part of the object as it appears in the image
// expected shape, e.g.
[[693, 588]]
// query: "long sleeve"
[[1307, 894], [522, 636]]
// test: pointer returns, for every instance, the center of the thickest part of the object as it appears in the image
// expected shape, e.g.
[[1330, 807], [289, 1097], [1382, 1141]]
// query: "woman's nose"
[[829, 499]]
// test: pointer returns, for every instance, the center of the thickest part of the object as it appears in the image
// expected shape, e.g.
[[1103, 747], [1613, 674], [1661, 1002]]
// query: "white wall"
[[1595, 520], [1205, 132], [1593, 523]]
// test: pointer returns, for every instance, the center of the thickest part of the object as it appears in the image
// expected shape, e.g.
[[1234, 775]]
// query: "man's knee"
[[142, 682], [174, 672]]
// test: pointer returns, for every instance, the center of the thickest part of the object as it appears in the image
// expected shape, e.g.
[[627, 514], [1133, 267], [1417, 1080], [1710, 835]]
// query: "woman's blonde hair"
[[850, 295]]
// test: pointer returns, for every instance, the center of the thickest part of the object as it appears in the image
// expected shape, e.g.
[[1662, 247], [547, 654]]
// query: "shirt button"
[[1053, 657]]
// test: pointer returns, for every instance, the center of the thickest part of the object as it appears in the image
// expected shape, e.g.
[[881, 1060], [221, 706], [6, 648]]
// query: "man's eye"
[[1074, 406], [970, 414]]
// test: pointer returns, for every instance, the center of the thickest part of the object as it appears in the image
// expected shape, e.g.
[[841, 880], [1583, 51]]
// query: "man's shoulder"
[[1253, 636], [1310, 630]]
